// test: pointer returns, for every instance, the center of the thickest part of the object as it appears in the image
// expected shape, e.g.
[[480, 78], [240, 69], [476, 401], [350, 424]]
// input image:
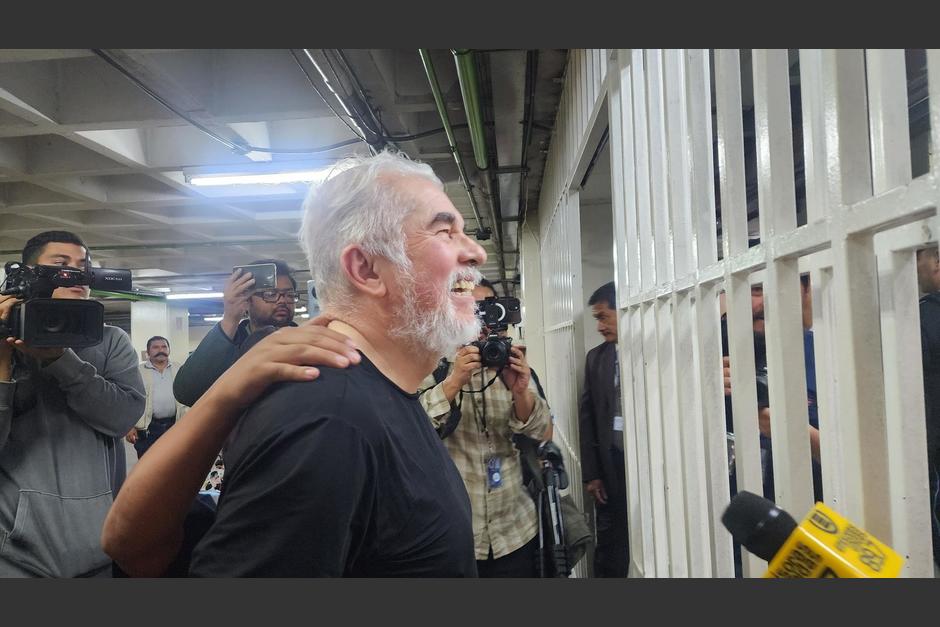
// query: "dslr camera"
[[45, 322], [496, 314]]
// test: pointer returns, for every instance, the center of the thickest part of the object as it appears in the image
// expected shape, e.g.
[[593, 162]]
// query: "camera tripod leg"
[[559, 551], [541, 552]]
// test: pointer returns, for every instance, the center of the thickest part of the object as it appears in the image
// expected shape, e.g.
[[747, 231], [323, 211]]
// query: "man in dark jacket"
[[601, 423], [219, 349]]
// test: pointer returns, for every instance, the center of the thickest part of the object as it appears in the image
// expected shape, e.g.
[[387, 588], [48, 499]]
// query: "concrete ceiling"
[[85, 148]]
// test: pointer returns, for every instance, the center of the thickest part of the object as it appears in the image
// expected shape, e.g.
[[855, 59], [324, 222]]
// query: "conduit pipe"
[[470, 91], [445, 121]]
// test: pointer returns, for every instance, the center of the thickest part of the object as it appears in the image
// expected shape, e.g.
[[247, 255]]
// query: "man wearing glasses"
[[223, 344]]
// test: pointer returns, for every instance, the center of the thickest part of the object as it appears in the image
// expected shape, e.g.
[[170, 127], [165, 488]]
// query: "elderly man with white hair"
[[344, 476]]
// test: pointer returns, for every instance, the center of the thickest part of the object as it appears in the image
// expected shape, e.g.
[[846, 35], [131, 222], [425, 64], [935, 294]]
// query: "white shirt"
[[163, 401]]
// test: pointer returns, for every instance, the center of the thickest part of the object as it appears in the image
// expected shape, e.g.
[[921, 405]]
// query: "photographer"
[[219, 349], [60, 413], [505, 521]]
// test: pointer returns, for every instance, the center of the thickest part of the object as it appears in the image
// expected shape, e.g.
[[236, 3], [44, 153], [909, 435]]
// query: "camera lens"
[[54, 321], [494, 353]]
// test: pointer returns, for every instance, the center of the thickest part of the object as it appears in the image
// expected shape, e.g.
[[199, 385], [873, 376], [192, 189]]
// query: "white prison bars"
[[865, 219]]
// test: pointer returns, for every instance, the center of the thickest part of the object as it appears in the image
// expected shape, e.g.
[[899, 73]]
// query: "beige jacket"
[[147, 375]]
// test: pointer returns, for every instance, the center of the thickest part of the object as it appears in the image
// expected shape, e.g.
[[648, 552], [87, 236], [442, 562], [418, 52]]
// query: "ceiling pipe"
[[183, 245], [531, 73], [108, 295], [449, 131], [470, 90], [531, 67], [472, 103]]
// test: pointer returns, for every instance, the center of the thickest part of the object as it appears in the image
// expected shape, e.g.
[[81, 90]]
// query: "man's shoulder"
[[114, 341], [300, 418], [598, 350], [351, 395], [930, 304], [114, 334], [215, 343], [242, 332]]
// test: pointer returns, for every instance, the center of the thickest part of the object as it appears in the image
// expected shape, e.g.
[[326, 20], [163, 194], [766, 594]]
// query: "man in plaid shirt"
[[505, 522]]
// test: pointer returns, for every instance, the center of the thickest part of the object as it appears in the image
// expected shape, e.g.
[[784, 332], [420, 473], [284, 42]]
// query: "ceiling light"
[[304, 315], [212, 318], [184, 296], [300, 310], [258, 178]]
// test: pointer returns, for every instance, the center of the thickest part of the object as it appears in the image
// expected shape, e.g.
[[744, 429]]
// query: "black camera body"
[[494, 351], [45, 322], [497, 314]]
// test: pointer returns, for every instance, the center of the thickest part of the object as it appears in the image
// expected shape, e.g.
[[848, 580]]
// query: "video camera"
[[497, 314], [45, 322]]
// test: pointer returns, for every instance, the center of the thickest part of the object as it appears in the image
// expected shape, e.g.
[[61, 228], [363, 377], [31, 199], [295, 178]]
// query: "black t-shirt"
[[342, 476]]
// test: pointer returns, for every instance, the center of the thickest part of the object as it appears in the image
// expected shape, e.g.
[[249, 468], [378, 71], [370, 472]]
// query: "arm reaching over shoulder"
[[144, 529]]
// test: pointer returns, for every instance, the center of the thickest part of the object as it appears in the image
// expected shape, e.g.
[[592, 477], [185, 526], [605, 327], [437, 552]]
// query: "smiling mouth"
[[463, 286]]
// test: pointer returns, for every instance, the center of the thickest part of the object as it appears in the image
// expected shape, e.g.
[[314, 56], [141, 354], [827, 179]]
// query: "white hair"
[[357, 205]]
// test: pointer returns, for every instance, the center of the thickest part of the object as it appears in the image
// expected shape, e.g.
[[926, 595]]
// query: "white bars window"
[[865, 218]]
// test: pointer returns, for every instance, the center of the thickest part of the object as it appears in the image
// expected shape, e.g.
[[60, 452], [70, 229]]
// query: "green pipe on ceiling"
[[125, 296], [470, 90], [445, 120]]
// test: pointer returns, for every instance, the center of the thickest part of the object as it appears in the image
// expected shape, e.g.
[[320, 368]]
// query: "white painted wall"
[[597, 261], [558, 247], [195, 336], [532, 328]]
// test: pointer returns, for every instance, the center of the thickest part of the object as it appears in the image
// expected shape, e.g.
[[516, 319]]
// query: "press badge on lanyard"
[[493, 474]]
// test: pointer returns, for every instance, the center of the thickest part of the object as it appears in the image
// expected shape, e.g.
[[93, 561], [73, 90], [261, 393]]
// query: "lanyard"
[[480, 416]]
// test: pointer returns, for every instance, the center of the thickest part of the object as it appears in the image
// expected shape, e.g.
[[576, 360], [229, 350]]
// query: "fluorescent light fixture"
[[259, 178], [304, 315], [300, 310], [188, 296], [213, 318], [162, 289]]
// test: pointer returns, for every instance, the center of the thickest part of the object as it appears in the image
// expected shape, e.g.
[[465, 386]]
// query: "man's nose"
[[472, 254]]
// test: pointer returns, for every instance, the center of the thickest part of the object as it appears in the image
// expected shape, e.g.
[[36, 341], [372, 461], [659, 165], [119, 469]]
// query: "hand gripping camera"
[[497, 314], [45, 322]]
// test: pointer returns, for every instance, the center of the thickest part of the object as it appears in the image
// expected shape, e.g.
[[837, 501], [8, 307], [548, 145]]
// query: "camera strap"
[[483, 397], [488, 383]]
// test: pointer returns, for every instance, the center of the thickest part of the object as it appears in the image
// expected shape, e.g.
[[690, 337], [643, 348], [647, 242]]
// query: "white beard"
[[437, 329]]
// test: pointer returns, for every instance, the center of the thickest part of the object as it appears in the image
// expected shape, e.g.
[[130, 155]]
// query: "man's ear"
[[363, 271]]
